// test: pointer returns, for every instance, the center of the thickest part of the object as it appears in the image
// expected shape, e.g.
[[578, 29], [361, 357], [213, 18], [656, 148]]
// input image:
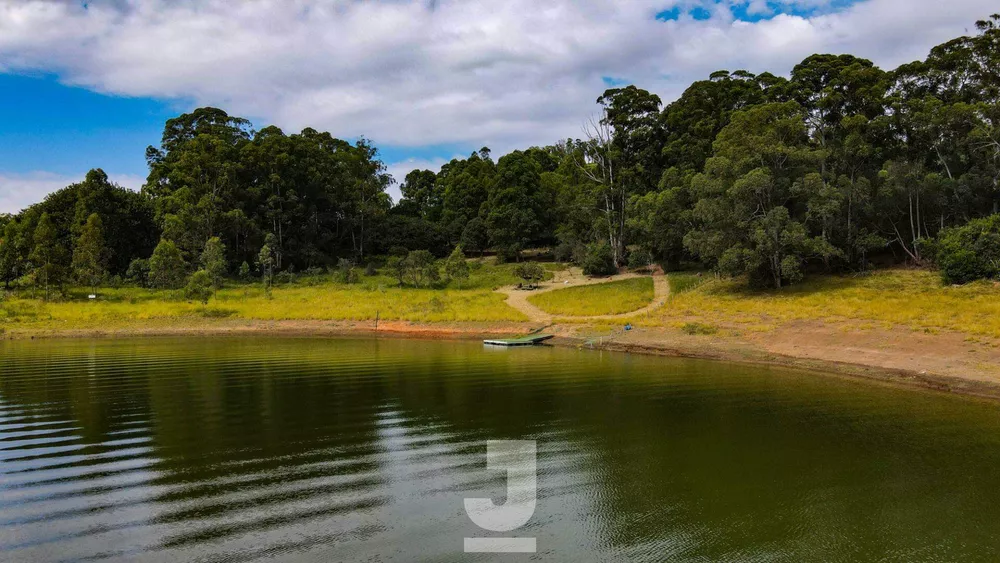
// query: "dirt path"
[[573, 277]]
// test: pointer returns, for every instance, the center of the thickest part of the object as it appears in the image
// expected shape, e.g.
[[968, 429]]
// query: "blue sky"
[[84, 87], [64, 131]]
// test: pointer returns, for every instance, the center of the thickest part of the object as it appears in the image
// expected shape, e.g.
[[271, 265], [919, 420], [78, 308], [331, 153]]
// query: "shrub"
[[598, 260], [456, 267], [346, 272], [970, 252], [639, 258], [699, 328], [421, 267], [530, 272], [216, 312]]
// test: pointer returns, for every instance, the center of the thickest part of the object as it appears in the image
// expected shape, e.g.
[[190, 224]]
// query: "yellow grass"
[[328, 301], [901, 298], [610, 298]]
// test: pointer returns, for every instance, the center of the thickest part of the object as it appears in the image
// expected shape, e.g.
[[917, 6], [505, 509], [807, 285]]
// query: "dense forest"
[[753, 175]]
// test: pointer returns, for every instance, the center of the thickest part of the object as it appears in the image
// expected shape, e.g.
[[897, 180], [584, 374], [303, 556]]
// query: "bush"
[[598, 260], [216, 312], [421, 267], [699, 328], [456, 267], [970, 252], [639, 258], [346, 272], [530, 272]]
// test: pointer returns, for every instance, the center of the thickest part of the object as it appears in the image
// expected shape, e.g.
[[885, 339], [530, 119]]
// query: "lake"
[[243, 449]]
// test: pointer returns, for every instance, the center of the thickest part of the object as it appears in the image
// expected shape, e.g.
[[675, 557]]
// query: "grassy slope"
[[309, 298], [600, 299], [908, 298]]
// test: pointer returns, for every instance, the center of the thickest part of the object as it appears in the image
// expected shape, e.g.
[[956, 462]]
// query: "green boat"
[[523, 341]]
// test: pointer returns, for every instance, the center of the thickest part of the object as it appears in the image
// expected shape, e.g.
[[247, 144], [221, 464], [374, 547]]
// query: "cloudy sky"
[[89, 83]]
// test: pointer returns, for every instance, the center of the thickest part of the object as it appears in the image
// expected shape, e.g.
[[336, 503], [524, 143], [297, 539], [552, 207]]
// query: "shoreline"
[[837, 356]]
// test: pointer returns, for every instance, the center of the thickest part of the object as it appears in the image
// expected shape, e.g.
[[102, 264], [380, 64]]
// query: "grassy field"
[[703, 304], [611, 298], [908, 298], [681, 282], [313, 298]]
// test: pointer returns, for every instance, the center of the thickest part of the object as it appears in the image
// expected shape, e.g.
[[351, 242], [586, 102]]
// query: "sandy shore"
[[943, 362]]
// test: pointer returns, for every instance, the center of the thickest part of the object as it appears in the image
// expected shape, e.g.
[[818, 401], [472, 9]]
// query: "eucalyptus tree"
[[90, 255]]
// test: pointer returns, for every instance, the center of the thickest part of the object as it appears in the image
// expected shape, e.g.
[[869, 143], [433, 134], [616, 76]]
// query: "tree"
[[90, 255], [213, 262], [138, 272], [421, 191], [244, 271], [514, 206], [465, 186], [47, 256], [265, 265], [456, 267], [745, 225], [166, 266], [621, 158], [12, 255], [475, 236], [199, 287]]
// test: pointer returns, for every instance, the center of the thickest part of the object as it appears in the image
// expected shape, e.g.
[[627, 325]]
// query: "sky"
[[87, 84]]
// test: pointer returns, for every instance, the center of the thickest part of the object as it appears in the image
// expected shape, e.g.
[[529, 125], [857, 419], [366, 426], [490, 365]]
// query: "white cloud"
[[411, 73], [18, 191], [400, 169]]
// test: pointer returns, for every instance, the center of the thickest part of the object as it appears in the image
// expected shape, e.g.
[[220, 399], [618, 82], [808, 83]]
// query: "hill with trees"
[[759, 176]]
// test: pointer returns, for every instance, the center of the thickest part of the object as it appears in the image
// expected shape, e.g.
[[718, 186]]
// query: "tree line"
[[756, 175]]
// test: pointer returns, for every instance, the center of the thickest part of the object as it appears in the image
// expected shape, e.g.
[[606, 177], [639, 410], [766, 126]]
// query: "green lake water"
[[225, 450]]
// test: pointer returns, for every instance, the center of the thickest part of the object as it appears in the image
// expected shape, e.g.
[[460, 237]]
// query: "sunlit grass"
[[309, 298], [907, 298], [319, 302], [610, 298]]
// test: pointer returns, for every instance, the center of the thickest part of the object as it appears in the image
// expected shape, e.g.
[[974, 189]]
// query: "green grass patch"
[[681, 282], [612, 298]]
